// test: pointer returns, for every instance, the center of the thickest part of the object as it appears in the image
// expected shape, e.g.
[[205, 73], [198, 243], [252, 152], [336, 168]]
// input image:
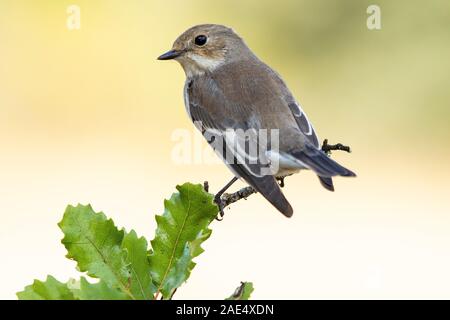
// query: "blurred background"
[[87, 116]]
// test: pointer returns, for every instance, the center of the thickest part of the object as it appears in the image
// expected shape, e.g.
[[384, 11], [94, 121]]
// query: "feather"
[[320, 163]]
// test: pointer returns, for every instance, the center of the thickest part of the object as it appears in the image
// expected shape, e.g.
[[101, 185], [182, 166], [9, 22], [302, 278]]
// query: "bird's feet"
[[221, 205], [217, 200], [281, 181]]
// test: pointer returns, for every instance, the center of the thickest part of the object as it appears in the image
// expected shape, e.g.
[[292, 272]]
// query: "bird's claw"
[[220, 204]]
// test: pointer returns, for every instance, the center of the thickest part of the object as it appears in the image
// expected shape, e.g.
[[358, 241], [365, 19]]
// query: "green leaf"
[[243, 292], [141, 284], [50, 289], [95, 243], [181, 230], [84, 290]]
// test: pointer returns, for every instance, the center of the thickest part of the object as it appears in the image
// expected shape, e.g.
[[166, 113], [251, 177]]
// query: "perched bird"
[[229, 88]]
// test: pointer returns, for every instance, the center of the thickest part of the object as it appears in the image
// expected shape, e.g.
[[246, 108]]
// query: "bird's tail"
[[321, 164], [327, 183], [268, 187]]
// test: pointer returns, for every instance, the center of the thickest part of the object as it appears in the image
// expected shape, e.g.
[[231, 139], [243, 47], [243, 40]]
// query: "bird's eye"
[[200, 40]]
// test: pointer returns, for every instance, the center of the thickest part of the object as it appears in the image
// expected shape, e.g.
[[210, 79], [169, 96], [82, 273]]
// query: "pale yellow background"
[[87, 116]]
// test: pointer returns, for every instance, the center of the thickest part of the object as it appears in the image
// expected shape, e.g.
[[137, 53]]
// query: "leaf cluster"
[[120, 265]]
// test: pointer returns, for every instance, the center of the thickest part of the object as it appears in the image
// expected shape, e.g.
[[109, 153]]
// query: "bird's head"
[[205, 47]]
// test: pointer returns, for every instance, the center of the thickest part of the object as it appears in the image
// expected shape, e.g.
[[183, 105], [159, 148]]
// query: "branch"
[[327, 148], [244, 193], [229, 198]]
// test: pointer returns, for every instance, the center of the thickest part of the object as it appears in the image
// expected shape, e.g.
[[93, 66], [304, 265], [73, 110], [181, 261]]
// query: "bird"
[[228, 88]]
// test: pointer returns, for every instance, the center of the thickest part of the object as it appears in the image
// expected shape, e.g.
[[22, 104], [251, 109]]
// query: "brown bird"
[[229, 89]]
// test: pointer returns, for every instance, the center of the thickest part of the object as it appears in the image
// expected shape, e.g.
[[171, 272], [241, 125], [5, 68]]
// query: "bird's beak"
[[169, 55]]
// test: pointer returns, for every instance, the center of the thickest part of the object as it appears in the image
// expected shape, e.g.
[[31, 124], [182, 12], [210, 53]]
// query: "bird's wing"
[[303, 122], [309, 153], [215, 112], [287, 105]]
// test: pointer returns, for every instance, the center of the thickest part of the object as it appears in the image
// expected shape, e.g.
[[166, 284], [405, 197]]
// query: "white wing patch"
[[298, 113], [303, 123]]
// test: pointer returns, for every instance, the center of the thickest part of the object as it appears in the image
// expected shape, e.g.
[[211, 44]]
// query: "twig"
[[327, 148], [229, 198], [244, 193]]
